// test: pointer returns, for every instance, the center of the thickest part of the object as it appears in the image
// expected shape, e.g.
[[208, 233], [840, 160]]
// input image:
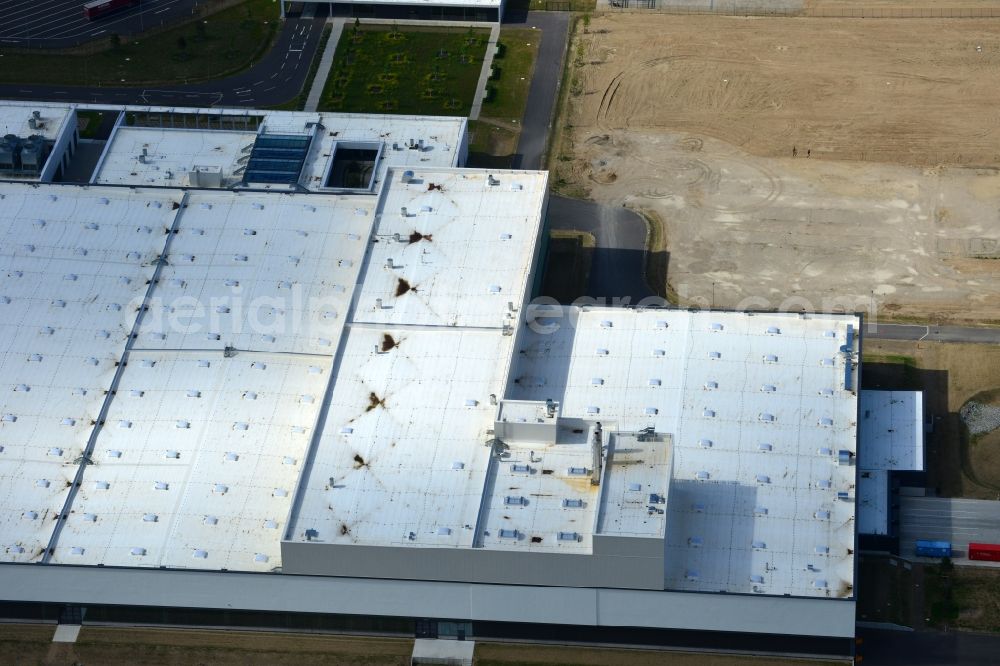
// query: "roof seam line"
[[116, 380]]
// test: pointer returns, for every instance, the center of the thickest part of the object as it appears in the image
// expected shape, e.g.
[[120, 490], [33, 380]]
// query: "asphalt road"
[[617, 269], [61, 23], [278, 77], [928, 648], [545, 82], [933, 333]]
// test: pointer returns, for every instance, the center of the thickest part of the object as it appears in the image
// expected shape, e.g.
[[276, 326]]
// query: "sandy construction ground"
[[823, 159]]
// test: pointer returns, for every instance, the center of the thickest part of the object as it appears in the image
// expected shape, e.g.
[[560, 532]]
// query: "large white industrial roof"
[[320, 366], [758, 411], [214, 402]]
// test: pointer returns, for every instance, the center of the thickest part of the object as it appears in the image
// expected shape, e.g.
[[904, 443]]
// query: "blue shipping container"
[[933, 548]]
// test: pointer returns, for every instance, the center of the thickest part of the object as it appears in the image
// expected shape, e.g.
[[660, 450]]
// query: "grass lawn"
[[496, 133], [422, 71], [90, 123], [507, 91], [210, 47]]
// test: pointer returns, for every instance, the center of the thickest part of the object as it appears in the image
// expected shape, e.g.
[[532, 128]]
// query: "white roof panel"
[[717, 489], [164, 157], [75, 263], [269, 272], [891, 430], [383, 472], [208, 487], [453, 248], [15, 119], [873, 502]]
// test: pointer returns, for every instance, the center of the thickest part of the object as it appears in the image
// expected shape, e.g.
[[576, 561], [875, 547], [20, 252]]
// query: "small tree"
[[357, 24]]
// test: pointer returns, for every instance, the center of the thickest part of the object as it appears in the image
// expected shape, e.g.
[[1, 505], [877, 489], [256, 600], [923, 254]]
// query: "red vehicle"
[[96, 9], [987, 552]]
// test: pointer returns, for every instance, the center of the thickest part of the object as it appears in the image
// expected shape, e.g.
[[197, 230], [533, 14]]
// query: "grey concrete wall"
[[477, 565], [400, 598], [623, 546]]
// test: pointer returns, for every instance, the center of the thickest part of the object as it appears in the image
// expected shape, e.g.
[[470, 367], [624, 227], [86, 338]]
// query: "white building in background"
[[251, 344], [460, 11]]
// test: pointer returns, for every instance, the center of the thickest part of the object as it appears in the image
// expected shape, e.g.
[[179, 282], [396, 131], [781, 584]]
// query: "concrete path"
[[325, 63], [484, 75], [66, 633]]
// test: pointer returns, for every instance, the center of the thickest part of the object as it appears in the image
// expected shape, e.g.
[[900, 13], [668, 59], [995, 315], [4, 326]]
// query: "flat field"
[[411, 70], [838, 162]]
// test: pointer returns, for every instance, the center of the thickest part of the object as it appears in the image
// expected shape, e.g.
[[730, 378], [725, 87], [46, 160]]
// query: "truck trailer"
[[984, 552], [933, 548], [96, 9]]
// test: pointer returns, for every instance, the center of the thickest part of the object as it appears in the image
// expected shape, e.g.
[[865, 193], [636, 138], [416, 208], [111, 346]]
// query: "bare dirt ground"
[[31, 644], [834, 161], [949, 374], [490, 654]]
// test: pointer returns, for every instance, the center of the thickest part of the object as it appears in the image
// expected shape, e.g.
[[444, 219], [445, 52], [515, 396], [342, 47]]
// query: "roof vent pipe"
[[597, 452]]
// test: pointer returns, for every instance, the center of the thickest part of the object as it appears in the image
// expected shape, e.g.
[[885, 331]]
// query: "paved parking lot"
[[59, 23], [959, 521]]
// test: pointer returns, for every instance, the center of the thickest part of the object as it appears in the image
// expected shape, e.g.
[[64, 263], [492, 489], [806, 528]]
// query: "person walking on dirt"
[[795, 151]]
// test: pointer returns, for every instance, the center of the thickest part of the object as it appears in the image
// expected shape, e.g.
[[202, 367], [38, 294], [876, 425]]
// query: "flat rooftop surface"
[[210, 409], [891, 430], [164, 157], [15, 119], [174, 147], [403, 452], [758, 410], [75, 263], [873, 501]]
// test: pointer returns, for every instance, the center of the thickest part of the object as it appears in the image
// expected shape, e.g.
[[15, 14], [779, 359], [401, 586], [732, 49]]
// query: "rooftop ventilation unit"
[[34, 151]]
